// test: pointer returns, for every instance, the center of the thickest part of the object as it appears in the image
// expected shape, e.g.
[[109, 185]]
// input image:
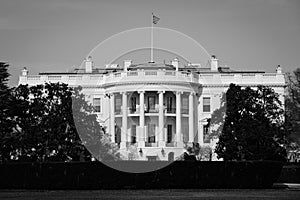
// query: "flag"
[[155, 19]]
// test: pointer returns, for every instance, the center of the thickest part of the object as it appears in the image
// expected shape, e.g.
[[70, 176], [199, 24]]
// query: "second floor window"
[[118, 105], [151, 103], [169, 104], [133, 104], [206, 104], [185, 105], [97, 104]]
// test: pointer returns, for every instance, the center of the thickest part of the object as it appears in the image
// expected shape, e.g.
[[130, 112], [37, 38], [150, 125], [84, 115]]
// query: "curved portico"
[[149, 110]]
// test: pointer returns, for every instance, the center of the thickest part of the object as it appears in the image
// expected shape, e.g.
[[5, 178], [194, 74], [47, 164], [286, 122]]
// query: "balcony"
[[151, 144]]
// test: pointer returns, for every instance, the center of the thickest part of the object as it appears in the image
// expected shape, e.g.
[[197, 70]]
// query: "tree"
[[53, 122], [292, 107], [5, 120], [254, 125], [4, 99]]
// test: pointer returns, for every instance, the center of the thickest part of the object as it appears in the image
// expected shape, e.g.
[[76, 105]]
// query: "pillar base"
[[123, 145], [161, 144], [141, 144], [179, 144], [190, 144]]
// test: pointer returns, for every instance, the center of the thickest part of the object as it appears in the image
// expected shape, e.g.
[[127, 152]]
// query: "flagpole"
[[151, 60]]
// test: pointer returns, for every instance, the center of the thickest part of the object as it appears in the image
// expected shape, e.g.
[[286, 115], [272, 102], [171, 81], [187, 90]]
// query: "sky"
[[56, 35]]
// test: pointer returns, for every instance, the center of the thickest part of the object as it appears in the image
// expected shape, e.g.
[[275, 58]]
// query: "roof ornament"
[[279, 69]]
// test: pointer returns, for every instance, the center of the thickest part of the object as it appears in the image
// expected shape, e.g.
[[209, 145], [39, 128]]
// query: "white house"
[[157, 109]]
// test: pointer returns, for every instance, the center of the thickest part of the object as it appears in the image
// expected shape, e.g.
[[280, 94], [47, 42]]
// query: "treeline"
[[50, 122]]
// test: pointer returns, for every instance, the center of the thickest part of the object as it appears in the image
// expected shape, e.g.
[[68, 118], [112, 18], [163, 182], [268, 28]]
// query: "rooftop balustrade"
[[155, 76]]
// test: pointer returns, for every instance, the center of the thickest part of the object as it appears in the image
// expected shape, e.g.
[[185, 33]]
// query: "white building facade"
[[154, 111]]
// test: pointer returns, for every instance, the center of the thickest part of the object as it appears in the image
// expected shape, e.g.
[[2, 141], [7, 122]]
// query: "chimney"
[[214, 63], [127, 64], [175, 63], [88, 64], [25, 72], [279, 69]]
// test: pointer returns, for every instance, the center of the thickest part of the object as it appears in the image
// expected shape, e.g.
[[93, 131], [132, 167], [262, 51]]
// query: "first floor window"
[[169, 133], [206, 138], [97, 104], [133, 134], [117, 134], [151, 133]]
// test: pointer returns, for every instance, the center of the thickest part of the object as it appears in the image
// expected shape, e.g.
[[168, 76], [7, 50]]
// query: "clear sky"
[[54, 35]]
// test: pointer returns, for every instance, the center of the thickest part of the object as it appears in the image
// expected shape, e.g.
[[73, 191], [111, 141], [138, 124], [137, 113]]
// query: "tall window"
[[97, 104], [169, 133], [151, 133], [133, 133], [118, 134], [206, 104], [185, 105], [133, 104], [169, 104], [151, 103], [206, 138], [118, 104]]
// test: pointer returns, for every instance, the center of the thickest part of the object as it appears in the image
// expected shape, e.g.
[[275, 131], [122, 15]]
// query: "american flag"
[[155, 19]]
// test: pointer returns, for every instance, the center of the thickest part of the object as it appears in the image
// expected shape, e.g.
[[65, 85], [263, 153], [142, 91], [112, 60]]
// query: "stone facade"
[[153, 111]]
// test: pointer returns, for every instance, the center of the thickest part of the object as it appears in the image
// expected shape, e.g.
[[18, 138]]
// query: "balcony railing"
[[170, 144], [184, 111], [151, 110], [118, 111], [151, 144], [134, 110], [151, 75], [171, 110]]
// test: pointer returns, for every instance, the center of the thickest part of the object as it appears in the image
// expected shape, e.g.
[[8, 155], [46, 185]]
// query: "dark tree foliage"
[[292, 107], [53, 122], [254, 125], [5, 121]]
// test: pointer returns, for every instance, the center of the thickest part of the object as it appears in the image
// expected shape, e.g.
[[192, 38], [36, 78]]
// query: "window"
[[133, 133], [118, 105], [206, 104], [151, 133], [206, 138], [151, 103], [169, 105], [185, 105], [97, 104], [118, 134], [169, 133], [133, 104]]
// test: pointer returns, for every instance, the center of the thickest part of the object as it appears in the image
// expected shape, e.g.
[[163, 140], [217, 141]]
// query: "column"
[[191, 117], [178, 120], [161, 119], [141, 134], [124, 138], [112, 117]]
